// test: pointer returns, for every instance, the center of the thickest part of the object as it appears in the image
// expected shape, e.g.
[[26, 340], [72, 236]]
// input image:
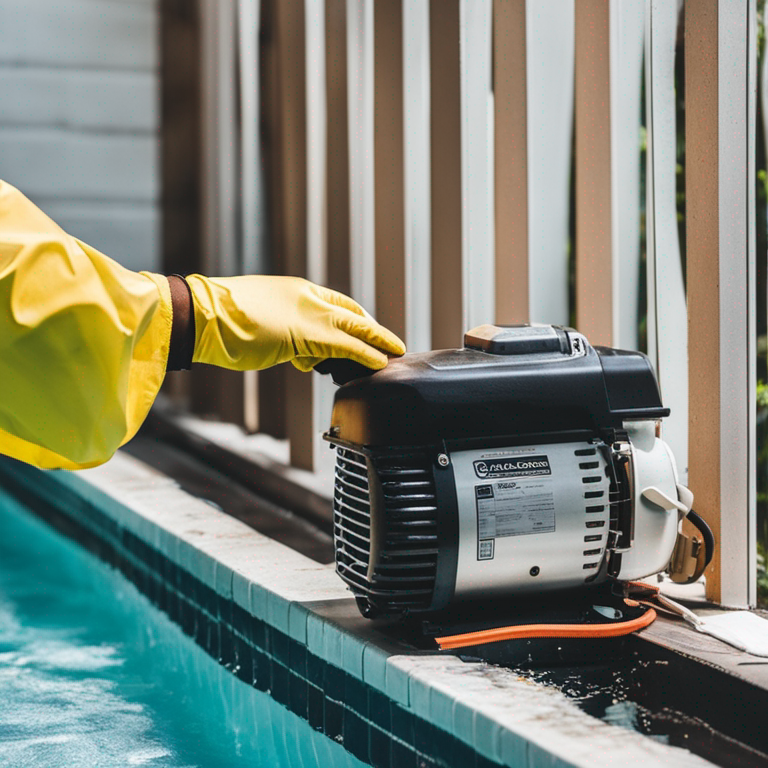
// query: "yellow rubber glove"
[[83, 343], [256, 321]]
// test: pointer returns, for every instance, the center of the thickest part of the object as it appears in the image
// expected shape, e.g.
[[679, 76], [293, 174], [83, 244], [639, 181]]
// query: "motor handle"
[[342, 370]]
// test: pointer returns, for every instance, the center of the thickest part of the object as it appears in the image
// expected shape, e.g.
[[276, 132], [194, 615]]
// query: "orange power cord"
[[546, 630]]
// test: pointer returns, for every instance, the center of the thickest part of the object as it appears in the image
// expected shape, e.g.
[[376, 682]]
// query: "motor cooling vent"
[[385, 504]]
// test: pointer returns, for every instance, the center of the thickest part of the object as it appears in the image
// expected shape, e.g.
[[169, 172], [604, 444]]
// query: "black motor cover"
[[459, 394], [395, 509]]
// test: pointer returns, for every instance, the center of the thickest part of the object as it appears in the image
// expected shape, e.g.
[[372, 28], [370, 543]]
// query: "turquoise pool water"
[[93, 676]]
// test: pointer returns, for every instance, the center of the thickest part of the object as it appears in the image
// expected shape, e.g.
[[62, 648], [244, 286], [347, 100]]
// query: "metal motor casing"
[[540, 521], [513, 466], [548, 525]]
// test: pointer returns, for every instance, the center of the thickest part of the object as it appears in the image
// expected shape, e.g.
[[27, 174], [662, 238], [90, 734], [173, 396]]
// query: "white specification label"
[[514, 508]]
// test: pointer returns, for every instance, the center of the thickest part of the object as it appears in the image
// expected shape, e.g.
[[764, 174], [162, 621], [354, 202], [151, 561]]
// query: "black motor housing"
[[395, 505]]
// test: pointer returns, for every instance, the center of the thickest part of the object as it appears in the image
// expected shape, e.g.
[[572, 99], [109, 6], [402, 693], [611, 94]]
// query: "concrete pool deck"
[[287, 624]]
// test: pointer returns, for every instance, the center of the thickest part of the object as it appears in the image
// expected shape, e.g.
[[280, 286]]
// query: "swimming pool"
[[93, 675]]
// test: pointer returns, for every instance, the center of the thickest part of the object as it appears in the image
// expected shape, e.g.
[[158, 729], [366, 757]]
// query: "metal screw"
[[535, 570], [443, 460]]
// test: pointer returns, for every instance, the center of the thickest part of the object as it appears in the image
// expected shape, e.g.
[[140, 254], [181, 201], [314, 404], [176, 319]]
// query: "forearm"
[[183, 330]]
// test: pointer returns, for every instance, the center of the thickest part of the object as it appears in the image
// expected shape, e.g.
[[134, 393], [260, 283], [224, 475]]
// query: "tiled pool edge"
[[243, 598]]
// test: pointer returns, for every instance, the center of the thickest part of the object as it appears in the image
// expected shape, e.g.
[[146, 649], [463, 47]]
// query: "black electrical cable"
[[706, 534]]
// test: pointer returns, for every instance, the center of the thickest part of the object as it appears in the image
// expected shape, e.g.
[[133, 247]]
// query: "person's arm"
[[84, 342]]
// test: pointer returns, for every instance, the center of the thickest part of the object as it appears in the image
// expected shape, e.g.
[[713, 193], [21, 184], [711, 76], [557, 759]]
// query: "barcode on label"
[[485, 549]]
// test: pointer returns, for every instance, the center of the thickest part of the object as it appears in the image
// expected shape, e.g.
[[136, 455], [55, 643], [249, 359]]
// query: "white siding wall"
[[79, 118]]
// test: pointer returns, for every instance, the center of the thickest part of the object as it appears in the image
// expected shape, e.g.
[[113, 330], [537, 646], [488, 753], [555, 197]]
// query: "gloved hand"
[[256, 321]]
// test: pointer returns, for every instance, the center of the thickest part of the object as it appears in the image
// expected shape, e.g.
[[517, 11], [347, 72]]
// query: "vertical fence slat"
[[292, 42], [361, 150], [389, 167], [180, 32], [719, 74], [510, 56], [287, 137], [272, 387], [418, 328], [221, 158], [667, 312], [549, 79], [322, 388], [626, 63], [337, 163], [445, 143], [754, 301], [594, 289], [214, 390], [477, 140], [252, 216], [253, 220]]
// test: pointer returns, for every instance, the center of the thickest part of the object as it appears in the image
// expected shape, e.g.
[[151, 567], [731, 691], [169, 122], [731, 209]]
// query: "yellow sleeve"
[[83, 343]]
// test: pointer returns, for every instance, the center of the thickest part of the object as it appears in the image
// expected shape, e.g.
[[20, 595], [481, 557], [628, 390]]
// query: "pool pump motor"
[[526, 462]]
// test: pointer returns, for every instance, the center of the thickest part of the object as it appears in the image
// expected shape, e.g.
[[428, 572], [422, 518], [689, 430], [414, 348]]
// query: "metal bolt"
[[443, 460]]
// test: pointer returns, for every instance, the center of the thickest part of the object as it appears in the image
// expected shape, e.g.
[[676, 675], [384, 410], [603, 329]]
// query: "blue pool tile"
[[243, 660], [297, 622], [316, 635], [514, 748], [420, 698], [222, 576], [441, 709], [315, 670], [424, 736], [332, 650], [334, 683], [487, 740], [226, 646], [463, 754], [375, 666], [187, 616], [397, 683], [463, 722], [241, 621], [224, 610], [403, 724], [208, 599], [262, 668], [277, 612], [241, 591], [379, 748], [356, 696], [297, 658], [315, 704], [297, 695], [257, 600], [279, 645], [280, 684], [356, 735], [403, 756], [379, 709], [540, 757], [352, 649], [333, 718], [444, 749], [484, 762]]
